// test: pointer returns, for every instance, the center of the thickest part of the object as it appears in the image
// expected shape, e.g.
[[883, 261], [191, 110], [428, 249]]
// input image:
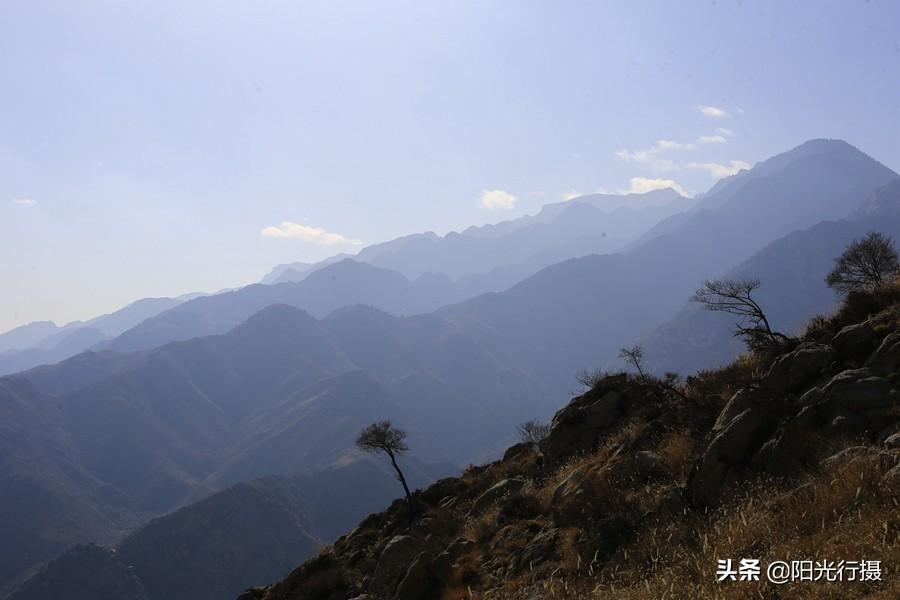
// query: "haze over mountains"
[[44, 342], [457, 339]]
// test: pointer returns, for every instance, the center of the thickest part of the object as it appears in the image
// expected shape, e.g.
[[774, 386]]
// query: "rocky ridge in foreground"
[[642, 485]]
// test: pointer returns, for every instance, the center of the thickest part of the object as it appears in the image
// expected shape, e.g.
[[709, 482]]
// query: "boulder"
[[541, 547], [577, 427], [449, 486], [855, 341], [445, 563], [521, 449], [729, 452], [417, 580], [583, 497], [738, 403], [886, 358], [857, 390], [790, 371], [393, 563], [495, 492]]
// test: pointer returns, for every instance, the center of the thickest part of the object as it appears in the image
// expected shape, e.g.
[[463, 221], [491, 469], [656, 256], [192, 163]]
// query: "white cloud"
[[711, 139], [711, 111], [307, 233], [497, 200], [571, 194], [641, 185], [724, 131], [652, 156], [718, 170], [25, 201]]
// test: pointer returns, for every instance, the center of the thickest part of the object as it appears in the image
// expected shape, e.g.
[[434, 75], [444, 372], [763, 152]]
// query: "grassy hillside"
[[641, 485]]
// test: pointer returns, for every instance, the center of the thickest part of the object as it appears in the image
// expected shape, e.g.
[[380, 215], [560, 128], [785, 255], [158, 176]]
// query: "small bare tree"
[[735, 296], [590, 379], [866, 264], [634, 356], [532, 432], [384, 437]]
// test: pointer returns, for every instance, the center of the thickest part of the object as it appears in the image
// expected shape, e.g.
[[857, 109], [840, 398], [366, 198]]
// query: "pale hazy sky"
[[157, 148]]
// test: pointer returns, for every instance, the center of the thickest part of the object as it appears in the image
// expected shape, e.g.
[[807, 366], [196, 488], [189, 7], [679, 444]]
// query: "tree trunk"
[[402, 479]]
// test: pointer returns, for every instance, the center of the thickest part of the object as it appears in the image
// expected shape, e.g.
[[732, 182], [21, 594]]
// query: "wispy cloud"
[[724, 131], [307, 233], [25, 201], [712, 111], [711, 139], [718, 170], [497, 200], [653, 156], [641, 185]]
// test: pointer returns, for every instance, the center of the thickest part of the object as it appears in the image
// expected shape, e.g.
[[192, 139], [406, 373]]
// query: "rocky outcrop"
[[635, 457]]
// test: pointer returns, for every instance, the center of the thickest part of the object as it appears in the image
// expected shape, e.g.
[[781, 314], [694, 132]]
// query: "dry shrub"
[[481, 528], [678, 451]]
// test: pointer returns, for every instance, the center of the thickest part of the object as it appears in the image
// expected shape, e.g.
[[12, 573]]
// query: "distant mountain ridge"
[[282, 390], [792, 271], [116, 438], [44, 342]]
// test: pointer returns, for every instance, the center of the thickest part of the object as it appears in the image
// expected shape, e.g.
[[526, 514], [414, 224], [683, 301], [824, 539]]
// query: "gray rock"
[[496, 492], [806, 363], [886, 358], [729, 452], [393, 563], [854, 341], [445, 562], [858, 391], [576, 428], [417, 580], [575, 500], [541, 547]]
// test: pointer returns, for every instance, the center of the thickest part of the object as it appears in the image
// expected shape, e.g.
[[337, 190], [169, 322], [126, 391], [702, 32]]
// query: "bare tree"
[[634, 356], [735, 296], [532, 432], [866, 264], [590, 379], [384, 437]]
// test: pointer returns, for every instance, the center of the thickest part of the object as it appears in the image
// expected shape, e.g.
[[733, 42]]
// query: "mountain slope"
[[792, 271], [344, 283], [641, 486], [584, 225], [122, 438], [578, 313], [45, 343]]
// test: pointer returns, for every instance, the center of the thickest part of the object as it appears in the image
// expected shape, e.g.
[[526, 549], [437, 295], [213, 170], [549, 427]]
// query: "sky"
[[153, 149]]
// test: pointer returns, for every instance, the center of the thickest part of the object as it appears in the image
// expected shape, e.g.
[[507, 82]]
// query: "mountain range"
[[274, 381]]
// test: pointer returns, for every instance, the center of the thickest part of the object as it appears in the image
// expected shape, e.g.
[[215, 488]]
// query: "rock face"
[[577, 428], [630, 458]]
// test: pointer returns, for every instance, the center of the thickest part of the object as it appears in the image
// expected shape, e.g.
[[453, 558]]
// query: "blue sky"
[[146, 147]]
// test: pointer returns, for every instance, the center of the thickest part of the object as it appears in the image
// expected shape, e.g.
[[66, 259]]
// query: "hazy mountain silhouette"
[[44, 342], [101, 441], [576, 314], [413, 274], [118, 438], [242, 536], [586, 225], [324, 290], [792, 271]]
